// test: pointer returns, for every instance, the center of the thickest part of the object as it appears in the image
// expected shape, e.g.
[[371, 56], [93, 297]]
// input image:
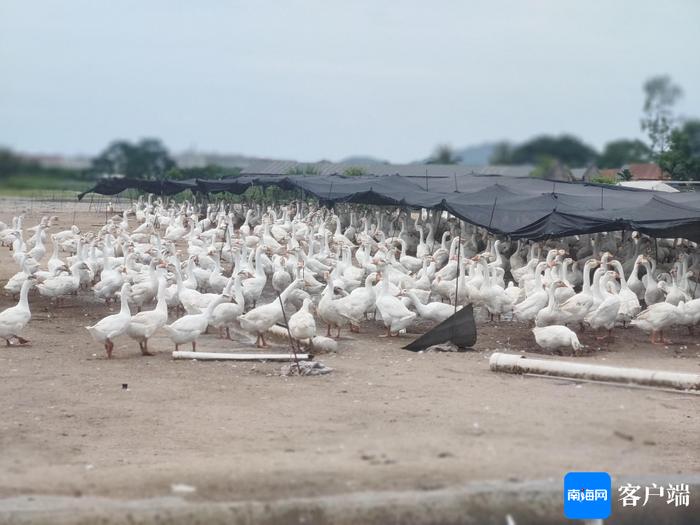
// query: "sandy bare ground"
[[385, 419]]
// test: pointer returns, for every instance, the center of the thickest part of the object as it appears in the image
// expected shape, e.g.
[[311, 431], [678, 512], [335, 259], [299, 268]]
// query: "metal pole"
[[493, 209], [289, 333], [459, 256]]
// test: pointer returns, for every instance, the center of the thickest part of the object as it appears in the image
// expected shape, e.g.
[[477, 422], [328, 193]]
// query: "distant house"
[[559, 172], [585, 174], [646, 171], [639, 171]]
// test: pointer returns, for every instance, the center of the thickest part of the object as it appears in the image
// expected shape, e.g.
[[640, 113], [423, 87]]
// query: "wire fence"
[[46, 202]]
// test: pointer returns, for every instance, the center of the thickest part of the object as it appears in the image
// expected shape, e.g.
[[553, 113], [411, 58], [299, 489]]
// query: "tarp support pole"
[[459, 258], [493, 209], [289, 333]]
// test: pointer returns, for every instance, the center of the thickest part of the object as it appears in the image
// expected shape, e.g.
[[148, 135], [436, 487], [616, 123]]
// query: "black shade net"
[[520, 208]]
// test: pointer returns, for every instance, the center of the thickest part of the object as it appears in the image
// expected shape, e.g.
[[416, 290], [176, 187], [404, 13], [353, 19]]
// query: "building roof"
[[653, 185], [405, 170], [646, 171]]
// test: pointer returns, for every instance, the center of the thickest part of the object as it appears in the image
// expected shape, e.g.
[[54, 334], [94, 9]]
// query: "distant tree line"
[[674, 145], [150, 159], [145, 159]]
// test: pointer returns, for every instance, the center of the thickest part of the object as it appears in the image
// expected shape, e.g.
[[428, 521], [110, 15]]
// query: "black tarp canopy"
[[521, 208]]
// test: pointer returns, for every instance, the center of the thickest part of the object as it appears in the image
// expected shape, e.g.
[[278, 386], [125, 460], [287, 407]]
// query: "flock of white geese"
[[251, 269]]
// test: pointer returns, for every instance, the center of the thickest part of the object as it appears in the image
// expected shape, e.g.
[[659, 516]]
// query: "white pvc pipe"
[[519, 364], [221, 356]]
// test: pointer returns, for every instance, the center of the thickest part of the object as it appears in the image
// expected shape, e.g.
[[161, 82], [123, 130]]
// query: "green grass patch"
[[41, 186]]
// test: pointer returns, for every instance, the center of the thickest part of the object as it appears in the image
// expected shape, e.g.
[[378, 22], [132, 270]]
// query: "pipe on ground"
[[519, 364], [222, 356]]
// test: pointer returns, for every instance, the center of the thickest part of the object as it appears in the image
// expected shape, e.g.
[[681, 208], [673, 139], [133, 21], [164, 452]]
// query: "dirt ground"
[[385, 419]]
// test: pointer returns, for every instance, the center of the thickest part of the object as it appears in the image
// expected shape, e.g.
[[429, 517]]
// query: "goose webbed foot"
[[144, 348]]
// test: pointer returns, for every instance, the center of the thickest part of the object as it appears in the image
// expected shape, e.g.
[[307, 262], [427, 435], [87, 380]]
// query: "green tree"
[[624, 174], [682, 159], [602, 179], [620, 152], [304, 169], [146, 159], [443, 154], [354, 171], [660, 95], [502, 153], [566, 149], [10, 163], [544, 167]]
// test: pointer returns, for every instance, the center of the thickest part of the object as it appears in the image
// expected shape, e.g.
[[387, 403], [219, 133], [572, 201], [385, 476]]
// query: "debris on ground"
[[623, 435], [306, 368], [182, 488], [444, 347]]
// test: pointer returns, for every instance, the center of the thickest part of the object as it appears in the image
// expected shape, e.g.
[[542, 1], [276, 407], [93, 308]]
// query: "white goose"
[[654, 293], [62, 285], [253, 287], [261, 318], [188, 328], [144, 291], [629, 303], [114, 325], [551, 314], [55, 262], [492, 296], [143, 325], [225, 315], [435, 311], [634, 283], [580, 304], [395, 315], [302, 325], [332, 311], [412, 264], [605, 314], [535, 301], [111, 280], [555, 337], [657, 318], [15, 318]]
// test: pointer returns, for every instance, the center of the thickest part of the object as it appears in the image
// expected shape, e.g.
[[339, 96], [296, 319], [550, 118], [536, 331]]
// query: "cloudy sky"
[[312, 79]]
